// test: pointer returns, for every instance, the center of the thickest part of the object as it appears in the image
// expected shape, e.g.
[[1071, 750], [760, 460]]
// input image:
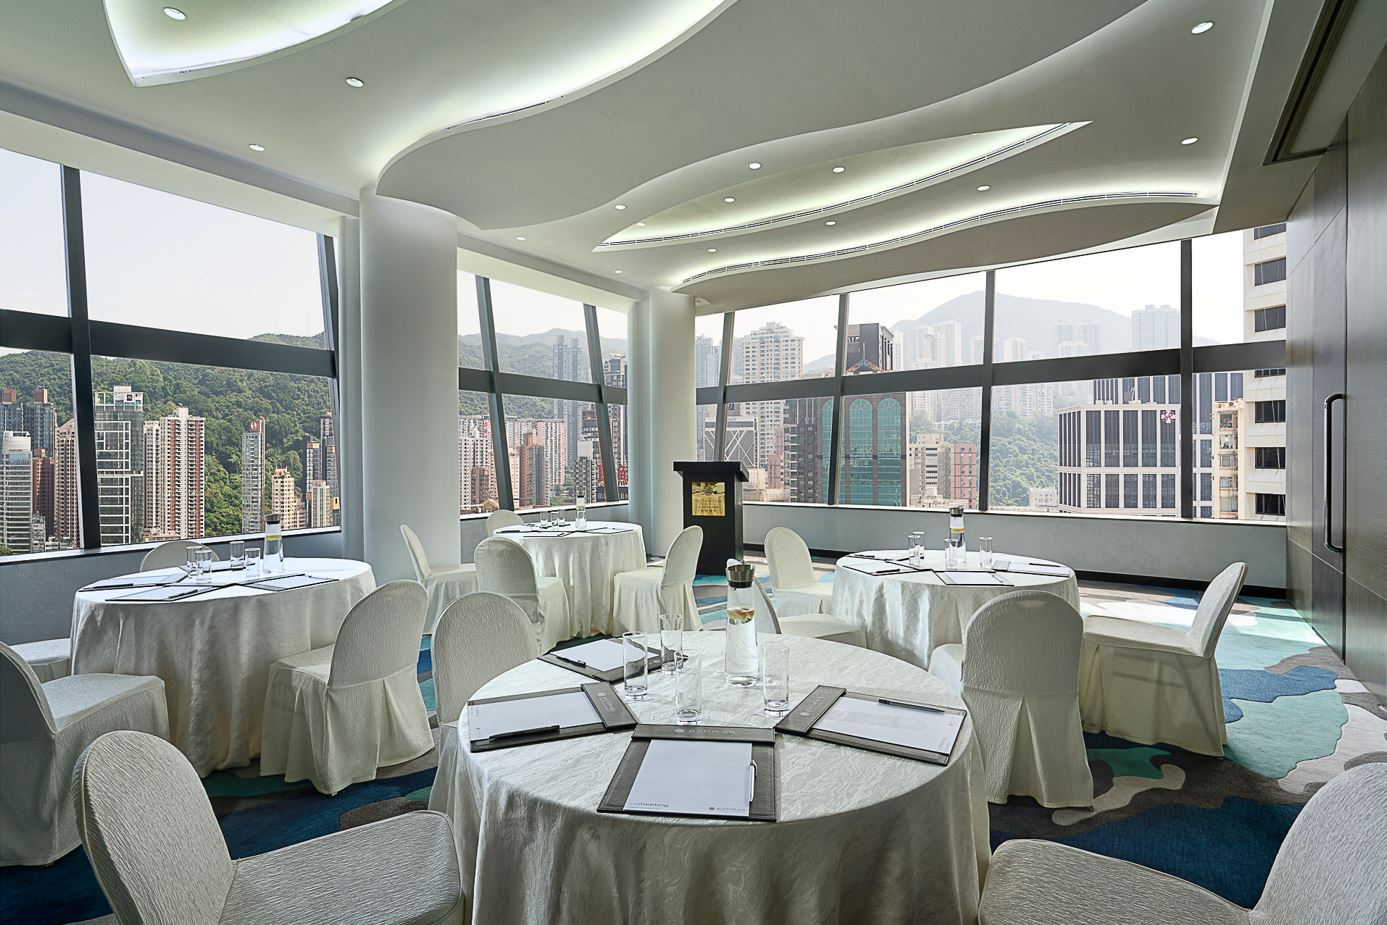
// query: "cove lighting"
[[1190, 140], [356, 82], [257, 148], [1201, 28], [174, 13]]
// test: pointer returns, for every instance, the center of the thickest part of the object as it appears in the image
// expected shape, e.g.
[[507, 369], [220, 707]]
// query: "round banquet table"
[[907, 615], [587, 562], [861, 836], [214, 650]]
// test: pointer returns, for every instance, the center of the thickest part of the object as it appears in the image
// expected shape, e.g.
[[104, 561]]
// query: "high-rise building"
[[284, 500], [771, 353], [533, 477], [1087, 333], [45, 472], [16, 491], [808, 433], [552, 437], [870, 345], [873, 470], [614, 370], [175, 479], [253, 477], [707, 361], [327, 441], [120, 465], [11, 411], [320, 503], [1262, 449], [41, 421], [66, 511], [739, 441], [1155, 327], [476, 463]]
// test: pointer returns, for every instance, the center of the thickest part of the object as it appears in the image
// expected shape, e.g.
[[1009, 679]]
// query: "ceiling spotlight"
[[620, 207], [520, 237], [257, 148], [729, 199], [174, 13], [640, 224], [839, 169], [356, 82], [1190, 140], [830, 223], [984, 188], [712, 250], [617, 272], [754, 165], [1202, 27]]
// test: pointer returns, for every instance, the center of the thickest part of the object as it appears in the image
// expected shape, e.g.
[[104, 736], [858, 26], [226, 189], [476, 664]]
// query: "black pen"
[[538, 730], [571, 661], [913, 706]]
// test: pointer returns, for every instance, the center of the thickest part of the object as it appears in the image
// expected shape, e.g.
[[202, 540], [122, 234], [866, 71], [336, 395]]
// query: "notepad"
[[164, 593], [287, 582], [564, 709], [1035, 568], [601, 655], [132, 581], [913, 727], [872, 567], [695, 778], [969, 579]]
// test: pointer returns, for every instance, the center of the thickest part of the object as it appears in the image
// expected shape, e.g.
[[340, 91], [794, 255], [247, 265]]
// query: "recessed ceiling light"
[[712, 250], [984, 188], [839, 169], [356, 82], [754, 165], [174, 13], [520, 237], [620, 207], [1190, 140], [729, 199], [830, 223], [640, 224], [257, 148], [1201, 28], [617, 272]]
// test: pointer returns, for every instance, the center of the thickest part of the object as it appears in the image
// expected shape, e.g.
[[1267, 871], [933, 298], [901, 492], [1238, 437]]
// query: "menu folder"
[[800, 721], [764, 800], [614, 716], [610, 675]]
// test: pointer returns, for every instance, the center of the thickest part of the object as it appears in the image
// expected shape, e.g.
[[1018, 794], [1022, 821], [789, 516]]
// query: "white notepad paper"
[[874, 567], [600, 655], [933, 731], [970, 579], [1036, 568], [564, 709], [702, 778]]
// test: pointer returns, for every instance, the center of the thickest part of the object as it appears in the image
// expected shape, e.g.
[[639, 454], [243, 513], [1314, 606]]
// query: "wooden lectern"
[[713, 501]]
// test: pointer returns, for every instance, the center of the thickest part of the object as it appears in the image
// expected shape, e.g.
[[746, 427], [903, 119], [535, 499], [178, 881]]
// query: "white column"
[[662, 412], [409, 383]]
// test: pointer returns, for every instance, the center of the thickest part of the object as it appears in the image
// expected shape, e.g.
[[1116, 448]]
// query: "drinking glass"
[[637, 672], [985, 551], [671, 639], [688, 689], [238, 554], [253, 561], [917, 547], [775, 676], [194, 562], [204, 566]]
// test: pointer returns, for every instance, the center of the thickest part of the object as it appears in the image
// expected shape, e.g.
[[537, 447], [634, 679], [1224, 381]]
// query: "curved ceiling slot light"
[[214, 36], [1048, 134], [933, 231]]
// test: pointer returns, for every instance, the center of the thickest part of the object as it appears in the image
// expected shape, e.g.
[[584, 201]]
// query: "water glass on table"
[[253, 561], [985, 551], [915, 542], [203, 573], [775, 676], [636, 671], [238, 554], [193, 563], [688, 689], [671, 639]]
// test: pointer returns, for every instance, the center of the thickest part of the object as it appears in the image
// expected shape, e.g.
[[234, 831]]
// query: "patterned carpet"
[[1296, 717]]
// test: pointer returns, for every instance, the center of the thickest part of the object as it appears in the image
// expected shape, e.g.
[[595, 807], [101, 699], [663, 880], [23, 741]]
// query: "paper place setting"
[[1052, 569], [695, 778], [912, 726], [600, 655], [970, 578], [530, 715], [878, 567]]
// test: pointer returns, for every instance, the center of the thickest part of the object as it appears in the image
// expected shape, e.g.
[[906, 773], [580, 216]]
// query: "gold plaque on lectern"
[[709, 499]]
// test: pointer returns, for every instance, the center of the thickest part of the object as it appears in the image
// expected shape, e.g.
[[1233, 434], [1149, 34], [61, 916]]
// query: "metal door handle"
[[1329, 471]]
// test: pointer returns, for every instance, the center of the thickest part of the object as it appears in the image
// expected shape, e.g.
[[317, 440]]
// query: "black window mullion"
[[835, 432], [83, 400], [604, 423], [1187, 379], [499, 449], [724, 376], [989, 325]]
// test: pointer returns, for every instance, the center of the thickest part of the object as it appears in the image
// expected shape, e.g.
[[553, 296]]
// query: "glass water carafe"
[[739, 664], [274, 544]]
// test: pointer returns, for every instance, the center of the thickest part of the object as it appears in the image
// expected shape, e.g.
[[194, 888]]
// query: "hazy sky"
[[164, 261]]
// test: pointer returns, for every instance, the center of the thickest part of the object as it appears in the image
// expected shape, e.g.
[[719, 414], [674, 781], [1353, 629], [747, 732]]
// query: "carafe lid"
[[956, 511], [740, 574], [272, 519]]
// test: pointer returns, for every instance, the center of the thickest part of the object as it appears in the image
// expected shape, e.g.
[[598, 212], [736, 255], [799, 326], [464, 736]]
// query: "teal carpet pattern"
[[1296, 718]]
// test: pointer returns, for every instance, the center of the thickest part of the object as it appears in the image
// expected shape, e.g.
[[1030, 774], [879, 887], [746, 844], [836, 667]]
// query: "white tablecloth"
[[587, 563], [862, 837], [908, 615], [214, 651]]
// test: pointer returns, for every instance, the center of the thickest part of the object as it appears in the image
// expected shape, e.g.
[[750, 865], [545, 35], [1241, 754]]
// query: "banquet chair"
[[1150, 684], [478, 637], [640, 596], [161, 858], [1330, 869], [444, 583], [797, 588], [498, 520], [812, 625], [43, 728], [336, 714], [50, 659], [506, 568], [173, 554], [1018, 671]]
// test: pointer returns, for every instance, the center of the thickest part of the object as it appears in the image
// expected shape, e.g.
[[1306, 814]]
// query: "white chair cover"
[[797, 588], [1152, 684], [50, 659], [506, 568], [1331, 868], [173, 554], [444, 583], [43, 728], [161, 859], [497, 520], [639, 597], [336, 714], [814, 625], [1020, 679], [479, 637]]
